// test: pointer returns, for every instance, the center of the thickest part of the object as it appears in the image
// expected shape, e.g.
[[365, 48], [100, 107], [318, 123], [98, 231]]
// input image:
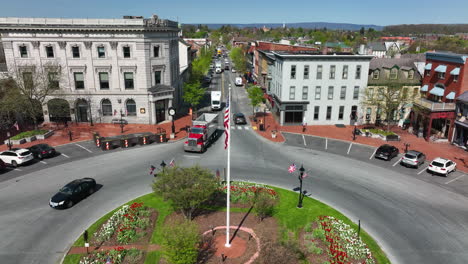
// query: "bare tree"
[[31, 87], [387, 98]]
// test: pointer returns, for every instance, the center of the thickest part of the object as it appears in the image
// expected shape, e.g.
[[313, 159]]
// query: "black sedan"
[[41, 151], [239, 118], [387, 152], [73, 192]]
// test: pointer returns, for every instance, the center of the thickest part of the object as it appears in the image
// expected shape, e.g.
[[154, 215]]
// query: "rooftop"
[[318, 54], [447, 57], [406, 63]]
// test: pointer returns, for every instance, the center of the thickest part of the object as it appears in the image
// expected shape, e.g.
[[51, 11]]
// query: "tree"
[[238, 57], [180, 243], [263, 203], [187, 188], [362, 31], [193, 93], [388, 98], [255, 95], [32, 85]]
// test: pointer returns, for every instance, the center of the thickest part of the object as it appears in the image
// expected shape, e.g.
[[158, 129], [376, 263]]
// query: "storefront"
[[434, 125]]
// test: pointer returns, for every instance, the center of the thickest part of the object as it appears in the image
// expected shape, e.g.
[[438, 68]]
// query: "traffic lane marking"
[[398, 161], [452, 180], [349, 149], [83, 148], [373, 153], [66, 156], [43, 162], [303, 138], [16, 169], [326, 143]]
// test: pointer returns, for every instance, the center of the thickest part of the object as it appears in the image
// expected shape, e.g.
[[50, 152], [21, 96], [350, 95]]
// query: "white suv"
[[442, 166], [16, 157]]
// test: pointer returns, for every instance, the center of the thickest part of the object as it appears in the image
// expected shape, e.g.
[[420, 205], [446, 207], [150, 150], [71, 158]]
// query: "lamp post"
[[406, 147], [264, 119], [90, 113], [9, 142], [354, 132], [301, 174], [163, 165], [121, 122]]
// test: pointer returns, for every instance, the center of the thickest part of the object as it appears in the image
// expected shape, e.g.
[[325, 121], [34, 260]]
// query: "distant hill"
[[308, 25], [426, 29]]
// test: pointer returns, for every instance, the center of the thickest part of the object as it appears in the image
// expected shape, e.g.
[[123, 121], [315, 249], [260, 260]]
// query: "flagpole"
[[228, 176]]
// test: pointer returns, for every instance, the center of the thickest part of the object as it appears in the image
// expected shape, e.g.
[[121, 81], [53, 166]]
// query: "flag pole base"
[[227, 245]]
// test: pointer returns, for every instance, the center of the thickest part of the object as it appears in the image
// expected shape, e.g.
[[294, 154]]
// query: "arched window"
[[131, 107], [106, 107], [394, 73]]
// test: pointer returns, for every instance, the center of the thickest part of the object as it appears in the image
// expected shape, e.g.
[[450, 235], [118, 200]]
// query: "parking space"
[[315, 142], [337, 147], [361, 152]]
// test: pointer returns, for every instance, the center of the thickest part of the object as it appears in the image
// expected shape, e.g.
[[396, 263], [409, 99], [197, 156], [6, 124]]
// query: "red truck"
[[202, 133]]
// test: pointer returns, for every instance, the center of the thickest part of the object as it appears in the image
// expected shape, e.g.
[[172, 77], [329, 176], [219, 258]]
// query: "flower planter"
[[46, 135], [16, 142], [31, 139]]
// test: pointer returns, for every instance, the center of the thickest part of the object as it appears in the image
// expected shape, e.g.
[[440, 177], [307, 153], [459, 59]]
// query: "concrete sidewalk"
[[431, 149], [84, 131], [82, 250]]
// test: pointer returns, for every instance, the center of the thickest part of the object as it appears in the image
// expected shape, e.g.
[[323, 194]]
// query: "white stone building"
[[318, 89], [107, 66]]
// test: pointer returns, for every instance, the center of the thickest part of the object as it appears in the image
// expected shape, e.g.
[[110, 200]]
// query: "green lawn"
[[288, 215], [72, 259]]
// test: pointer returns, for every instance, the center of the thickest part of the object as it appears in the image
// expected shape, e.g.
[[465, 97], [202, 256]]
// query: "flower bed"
[[28, 134], [241, 192], [119, 255], [337, 241], [130, 224]]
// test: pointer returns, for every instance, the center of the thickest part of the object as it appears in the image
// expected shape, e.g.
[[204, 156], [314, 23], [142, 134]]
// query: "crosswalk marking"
[[43, 162], [65, 156]]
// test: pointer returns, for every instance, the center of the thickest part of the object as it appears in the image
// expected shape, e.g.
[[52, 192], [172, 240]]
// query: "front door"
[[353, 115], [160, 111], [82, 112]]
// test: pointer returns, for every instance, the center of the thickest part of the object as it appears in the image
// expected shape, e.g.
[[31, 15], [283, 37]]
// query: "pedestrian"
[[304, 126]]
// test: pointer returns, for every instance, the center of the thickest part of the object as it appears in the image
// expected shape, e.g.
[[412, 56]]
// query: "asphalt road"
[[415, 221]]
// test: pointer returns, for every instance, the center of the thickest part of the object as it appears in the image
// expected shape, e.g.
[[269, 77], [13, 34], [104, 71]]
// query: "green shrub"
[[29, 134], [180, 243], [263, 204], [319, 233], [312, 248], [133, 256], [308, 228]]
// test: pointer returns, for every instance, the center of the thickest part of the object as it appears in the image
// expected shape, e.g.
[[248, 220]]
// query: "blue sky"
[[249, 11]]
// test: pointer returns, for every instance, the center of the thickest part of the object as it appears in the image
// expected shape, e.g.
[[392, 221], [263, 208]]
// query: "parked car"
[[239, 118], [2, 165], [41, 151], [73, 192], [233, 70], [207, 79], [413, 158], [16, 156], [387, 152], [442, 166]]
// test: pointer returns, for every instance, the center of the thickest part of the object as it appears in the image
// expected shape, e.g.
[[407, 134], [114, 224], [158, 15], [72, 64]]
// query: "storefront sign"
[[443, 115]]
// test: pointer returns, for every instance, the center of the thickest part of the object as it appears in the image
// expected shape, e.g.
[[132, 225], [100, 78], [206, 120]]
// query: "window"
[[305, 92], [358, 72], [306, 72], [101, 52], [28, 80], [157, 77], [341, 113], [393, 74], [441, 75], [316, 112], [332, 72], [23, 51], [126, 52], [356, 92], [293, 71], [411, 74], [128, 79], [49, 51], [381, 92], [79, 80], [368, 113], [106, 107], [455, 78], [292, 92], [376, 75], [76, 52], [330, 92], [415, 92], [319, 72], [405, 93], [343, 93], [131, 107], [370, 93], [345, 72], [104, 80], [53, 80], [156, 51], [329, 112], [427, 72], [318, 92]]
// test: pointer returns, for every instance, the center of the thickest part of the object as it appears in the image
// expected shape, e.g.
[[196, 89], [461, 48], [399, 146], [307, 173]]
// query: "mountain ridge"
[[306, 25]]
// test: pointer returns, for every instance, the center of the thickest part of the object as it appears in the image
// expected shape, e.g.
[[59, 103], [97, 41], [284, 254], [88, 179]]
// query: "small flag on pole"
[[108, 261], [152, 168], [172, 163], [226, 123], [16, 125], [292, 168], [304, 175]]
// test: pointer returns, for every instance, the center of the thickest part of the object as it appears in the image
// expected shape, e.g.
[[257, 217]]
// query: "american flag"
[[292, 168], [16, 125], [152, 169], [172, 163], [226, 123]]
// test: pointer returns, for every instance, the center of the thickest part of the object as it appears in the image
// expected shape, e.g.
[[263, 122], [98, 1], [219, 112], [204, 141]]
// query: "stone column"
[[281, 117]]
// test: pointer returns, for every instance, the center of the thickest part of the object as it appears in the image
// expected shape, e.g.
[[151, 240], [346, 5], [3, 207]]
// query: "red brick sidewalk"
[[83, 132], [82, 250], [431, 149]]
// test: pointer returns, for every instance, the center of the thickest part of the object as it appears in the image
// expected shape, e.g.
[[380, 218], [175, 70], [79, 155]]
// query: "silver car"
[[413, 158]]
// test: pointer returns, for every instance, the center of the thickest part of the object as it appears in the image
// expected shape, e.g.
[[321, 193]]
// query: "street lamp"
[[9, 142], [90, 113], [354, 132], [301, 175], [121, 122], [264, 119], [163, 165]]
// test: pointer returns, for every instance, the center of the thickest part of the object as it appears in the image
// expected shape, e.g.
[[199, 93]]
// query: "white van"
[[215, 100], [238, 81]]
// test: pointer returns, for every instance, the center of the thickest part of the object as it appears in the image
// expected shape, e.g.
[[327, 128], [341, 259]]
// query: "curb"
[[341, 140]]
